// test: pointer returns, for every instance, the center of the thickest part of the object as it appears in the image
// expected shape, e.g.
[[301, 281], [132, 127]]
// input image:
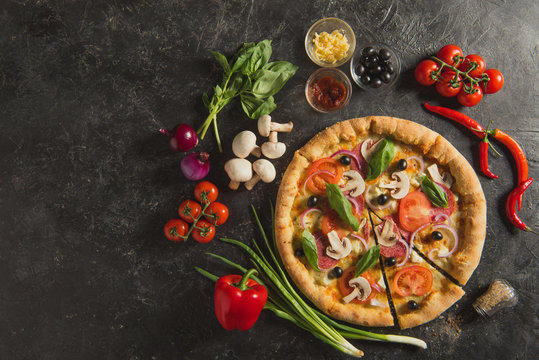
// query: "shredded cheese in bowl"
[[330, 48]]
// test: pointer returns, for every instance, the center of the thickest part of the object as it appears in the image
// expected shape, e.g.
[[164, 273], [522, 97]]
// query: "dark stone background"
[[87, 181]]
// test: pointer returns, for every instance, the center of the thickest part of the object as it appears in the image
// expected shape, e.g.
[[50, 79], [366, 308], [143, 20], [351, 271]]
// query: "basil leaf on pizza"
[[310, 249], [341, 205], [434, 192], [367, 261], [381, 158]]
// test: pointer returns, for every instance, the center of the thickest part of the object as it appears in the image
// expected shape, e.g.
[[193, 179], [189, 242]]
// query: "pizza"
[[380, 221]]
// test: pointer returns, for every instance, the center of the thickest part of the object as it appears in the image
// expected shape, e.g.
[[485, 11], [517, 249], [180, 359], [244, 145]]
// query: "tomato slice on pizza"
[[420, 293]]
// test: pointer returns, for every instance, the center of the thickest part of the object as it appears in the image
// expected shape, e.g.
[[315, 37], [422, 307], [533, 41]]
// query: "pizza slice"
[[419, 292], [327, 248], [429, 211]]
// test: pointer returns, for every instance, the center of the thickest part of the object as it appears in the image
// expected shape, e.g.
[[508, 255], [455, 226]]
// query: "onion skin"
[[182, 138], [195, 166]]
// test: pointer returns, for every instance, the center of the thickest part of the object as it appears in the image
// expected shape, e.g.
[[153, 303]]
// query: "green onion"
[[285, 302]]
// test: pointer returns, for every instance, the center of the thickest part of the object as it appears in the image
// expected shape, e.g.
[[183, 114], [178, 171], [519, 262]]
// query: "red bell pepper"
[[239, 301]]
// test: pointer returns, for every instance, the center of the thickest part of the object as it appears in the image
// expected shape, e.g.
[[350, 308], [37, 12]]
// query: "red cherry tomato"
[[175, 228], [346, 289], [206, 189], [414, 211], [472, 99], [216, 213], [467, 63], [495, 83], [205, 233], [317, 184], [413, 280], [189, 210], [451, 54], [448, 86], [423, 72]]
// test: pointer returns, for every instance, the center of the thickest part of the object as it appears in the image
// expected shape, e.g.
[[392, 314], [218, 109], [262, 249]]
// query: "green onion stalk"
[[285, 302]]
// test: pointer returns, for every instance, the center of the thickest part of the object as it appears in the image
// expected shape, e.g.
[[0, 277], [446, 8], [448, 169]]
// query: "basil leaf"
[[309, 248], [255, 107], [206, 100], [282, 67], [241, 56], [434, 192], [367, 261], [341, 205], [266, 50], [269, 82], [254, 62], [221, 59], [236, 82], [218, 90], [382, 158]]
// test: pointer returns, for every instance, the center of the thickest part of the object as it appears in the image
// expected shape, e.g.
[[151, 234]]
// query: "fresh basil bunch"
[[251, 76], [381, 158]]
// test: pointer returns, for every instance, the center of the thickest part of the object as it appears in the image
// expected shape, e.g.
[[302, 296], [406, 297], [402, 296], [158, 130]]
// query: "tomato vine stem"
[[470, 89], [204, 200]]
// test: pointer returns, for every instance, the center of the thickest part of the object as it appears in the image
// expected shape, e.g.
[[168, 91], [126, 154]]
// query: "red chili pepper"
[[518, 154], [510, 210], [459, 117], [239, 301], [483, 159]]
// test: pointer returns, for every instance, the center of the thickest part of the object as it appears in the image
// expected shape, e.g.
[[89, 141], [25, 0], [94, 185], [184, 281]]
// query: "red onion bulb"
[[182, 138], [195, 166]]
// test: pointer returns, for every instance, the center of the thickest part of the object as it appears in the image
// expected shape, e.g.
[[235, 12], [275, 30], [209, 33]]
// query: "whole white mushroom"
[[264, 171], [244, 144], [238, 170], [265, 126], [273, 149]]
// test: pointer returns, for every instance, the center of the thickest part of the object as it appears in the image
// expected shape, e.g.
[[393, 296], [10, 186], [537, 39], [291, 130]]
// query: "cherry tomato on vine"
[[206, 232], [216, 213], [189, 210], [448, 86], [473, 58], [207, 188], [175, 228], [451, 54], [423, 72], [473, 99], [495, 83]]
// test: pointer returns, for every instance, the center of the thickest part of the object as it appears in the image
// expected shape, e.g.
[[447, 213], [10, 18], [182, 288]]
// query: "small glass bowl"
[[336, 75], [329, 25], [356, 59]]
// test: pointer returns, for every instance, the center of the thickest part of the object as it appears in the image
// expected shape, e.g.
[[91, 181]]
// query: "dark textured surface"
[[87, 181]]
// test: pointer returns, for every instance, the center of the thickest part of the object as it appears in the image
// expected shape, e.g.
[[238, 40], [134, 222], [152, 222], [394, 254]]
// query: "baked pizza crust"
[[471, 202]]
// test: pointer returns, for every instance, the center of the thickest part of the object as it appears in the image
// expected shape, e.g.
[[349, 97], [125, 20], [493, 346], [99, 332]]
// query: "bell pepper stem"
[[243, 283]]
